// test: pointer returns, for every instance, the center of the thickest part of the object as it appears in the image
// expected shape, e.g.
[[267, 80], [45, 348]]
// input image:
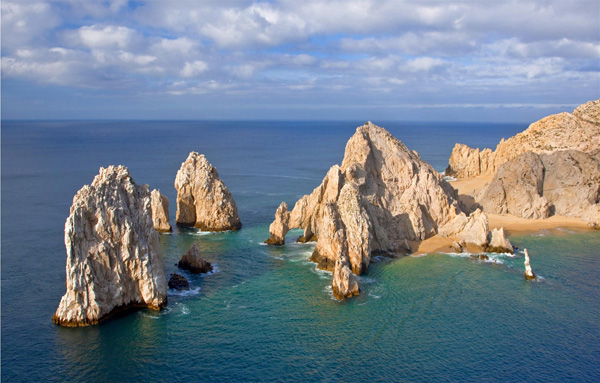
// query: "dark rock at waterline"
[[178, 282], [481, 257], [193, 262]]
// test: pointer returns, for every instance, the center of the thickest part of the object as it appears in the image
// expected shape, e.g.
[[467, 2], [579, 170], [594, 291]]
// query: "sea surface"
[[266, 313]]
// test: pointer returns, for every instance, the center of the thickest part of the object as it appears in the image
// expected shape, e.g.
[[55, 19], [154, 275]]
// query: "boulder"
[[160, 211], [579, 130], [178, 282], [193, 262], [203, 200], [113, 252]]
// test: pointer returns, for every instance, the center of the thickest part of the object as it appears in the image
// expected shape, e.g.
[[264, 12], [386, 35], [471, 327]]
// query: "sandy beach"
[[469, 187]]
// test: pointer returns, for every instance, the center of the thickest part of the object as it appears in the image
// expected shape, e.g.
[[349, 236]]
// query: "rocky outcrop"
[[160, 211], [528, 272], [113, 252], [193, 262], [344, 283], [178, 282], [534, 185], [280, 226], [381, 196], [498, 243], [203, 200], [579, 131]]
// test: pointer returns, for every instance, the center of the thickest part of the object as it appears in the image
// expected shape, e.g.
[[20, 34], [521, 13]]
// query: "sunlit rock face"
[[382, 195], [579, 130], [113, 252], [160, 211], [203, 200]]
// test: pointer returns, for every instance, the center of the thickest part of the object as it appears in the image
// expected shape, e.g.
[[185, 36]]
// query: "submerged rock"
[[193, 262], [381, 196], [178, 282], [113, 252], [160, 211], [203, 200], [579, 130], [481, 257], [528, 272], [540, 185]]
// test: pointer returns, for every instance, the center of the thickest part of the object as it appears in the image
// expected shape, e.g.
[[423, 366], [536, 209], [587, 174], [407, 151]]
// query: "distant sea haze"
[[266, 313]]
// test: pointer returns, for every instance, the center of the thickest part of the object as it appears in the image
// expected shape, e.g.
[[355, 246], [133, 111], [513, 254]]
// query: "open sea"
[[266, 313]]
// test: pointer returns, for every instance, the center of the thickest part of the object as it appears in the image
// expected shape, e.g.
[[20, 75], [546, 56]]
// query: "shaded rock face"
[[203, 200], [113, 252], [579, 130], [178, 282], [193, 262], [160, 211], [539, 185], [381, 196]]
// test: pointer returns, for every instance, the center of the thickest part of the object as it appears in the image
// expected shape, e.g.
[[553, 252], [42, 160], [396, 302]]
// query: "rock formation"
[[534, 185], [192, 261], [498, 243], [381, 196], [344, 283], [528, 272], [178, 282], [160, 211], [203, 200], [579, 130], [113, 252]]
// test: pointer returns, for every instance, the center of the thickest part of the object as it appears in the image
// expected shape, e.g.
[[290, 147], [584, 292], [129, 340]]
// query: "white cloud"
[[98, 36], [193, 69]]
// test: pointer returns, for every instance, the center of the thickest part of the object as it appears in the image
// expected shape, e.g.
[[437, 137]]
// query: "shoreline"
[[467, 188]]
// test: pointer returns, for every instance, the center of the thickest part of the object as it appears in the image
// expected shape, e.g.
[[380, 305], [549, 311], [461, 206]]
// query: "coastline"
[[467, 188]]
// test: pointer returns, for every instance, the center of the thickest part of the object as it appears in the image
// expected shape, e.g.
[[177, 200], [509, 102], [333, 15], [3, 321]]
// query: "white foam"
[[449, 178], [183, 293]]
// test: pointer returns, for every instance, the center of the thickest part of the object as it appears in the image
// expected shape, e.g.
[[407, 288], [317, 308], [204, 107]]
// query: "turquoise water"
[[266, 313]]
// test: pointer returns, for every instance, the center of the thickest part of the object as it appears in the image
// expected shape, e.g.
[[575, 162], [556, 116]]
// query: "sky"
[[492, 61]]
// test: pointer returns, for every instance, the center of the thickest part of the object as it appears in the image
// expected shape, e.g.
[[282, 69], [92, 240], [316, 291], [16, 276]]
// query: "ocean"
[[266, 313]]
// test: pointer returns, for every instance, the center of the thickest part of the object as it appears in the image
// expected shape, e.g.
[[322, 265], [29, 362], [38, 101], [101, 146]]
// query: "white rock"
[[160, 211]]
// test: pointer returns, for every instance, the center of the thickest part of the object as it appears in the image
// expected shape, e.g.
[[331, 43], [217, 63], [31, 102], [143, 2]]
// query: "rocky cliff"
[[381, 196], [579, 130], [113, 252], [565, 182], [203, 200], [160, 211]]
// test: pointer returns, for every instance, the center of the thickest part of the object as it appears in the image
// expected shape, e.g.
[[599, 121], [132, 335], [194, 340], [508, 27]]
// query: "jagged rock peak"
[[528, 272], [193, 262], [160, 211], [113, 252], [579, 130], [203, 200], [382, 195]]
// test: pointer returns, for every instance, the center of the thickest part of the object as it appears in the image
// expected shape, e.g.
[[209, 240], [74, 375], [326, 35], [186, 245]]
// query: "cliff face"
[[381, 196], [160, 211], [579, 130], [203, 200], [534, 185], [113, 252]]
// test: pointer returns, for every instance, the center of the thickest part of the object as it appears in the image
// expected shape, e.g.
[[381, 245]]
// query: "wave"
[[449, 178], [183, 293]]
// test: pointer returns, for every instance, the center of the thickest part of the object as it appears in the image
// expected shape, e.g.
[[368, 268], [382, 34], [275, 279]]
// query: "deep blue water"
[[267, 313]]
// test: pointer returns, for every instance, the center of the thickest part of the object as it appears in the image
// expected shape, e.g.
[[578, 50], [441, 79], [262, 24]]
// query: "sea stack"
[[382, 195], [113, 252], [528, 272], [160, 211], [203, 200], [193, 262], [579, 130]]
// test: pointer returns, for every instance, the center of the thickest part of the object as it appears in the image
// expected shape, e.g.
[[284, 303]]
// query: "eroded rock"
[[160, 211], [579, 130], [498, 242], [193, 261], [178, 282], [528, 272], [280, 226], [113, 252], [203, 200]]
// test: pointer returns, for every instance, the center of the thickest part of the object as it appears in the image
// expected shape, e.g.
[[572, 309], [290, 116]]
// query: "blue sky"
[[373, 60]]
